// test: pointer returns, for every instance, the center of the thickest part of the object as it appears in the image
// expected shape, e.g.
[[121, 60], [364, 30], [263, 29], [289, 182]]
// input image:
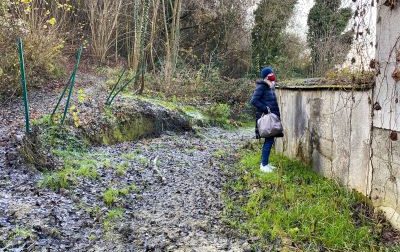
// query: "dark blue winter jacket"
[[264, 97]]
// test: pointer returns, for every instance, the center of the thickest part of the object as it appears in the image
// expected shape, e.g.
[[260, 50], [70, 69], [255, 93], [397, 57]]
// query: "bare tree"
[[154, 28], [103, 19], [172, 37], [140, 22]]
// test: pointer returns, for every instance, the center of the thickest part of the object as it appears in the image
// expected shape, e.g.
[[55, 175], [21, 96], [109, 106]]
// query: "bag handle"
[[269, 112]]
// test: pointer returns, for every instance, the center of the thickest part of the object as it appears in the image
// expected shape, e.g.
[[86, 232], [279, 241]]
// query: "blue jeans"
[[266, 150]]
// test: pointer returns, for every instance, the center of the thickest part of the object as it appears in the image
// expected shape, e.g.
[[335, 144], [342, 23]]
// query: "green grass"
[[75, 164], [122, 168], [114, 214], [106, 163], [129, 156], [60, 179], [23, 233], [143, 160], [295, 207], [112, 217], [219, 153], [112, 195], [87, 172]]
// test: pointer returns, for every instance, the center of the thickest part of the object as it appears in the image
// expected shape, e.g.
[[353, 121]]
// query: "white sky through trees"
[[362, 50]]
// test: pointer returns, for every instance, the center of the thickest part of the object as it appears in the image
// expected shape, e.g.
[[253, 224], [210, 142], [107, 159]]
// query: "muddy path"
[[175, 205], [166, 193]]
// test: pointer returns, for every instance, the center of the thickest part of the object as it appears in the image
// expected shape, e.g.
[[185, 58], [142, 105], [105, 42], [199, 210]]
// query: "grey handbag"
[[269, 125]]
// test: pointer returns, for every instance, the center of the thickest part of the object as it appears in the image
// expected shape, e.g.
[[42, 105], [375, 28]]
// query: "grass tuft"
[[59, 179], [76, 164], [111, 195], [122, 168], [112, 217]]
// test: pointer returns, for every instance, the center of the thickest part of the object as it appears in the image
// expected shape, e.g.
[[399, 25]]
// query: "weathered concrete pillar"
[[385, 180]]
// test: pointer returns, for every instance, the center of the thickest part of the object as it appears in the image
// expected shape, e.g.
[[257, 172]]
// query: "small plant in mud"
[[107, 163], [23, 233], [76, 164], [296, 208], [122, 168], [92, 237], [18, 235], [94, 212], [129, 156], [57, 180], [87, 172], [74, 111], [111, 195], [84, 165], [113, 216], [143, 160], [81, 96], [219, 153]]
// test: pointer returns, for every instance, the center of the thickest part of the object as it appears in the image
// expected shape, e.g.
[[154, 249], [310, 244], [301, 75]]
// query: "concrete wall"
[[329, 130], [387, 90], [385, 179], [351, 136], [385, 151], [333, 131]]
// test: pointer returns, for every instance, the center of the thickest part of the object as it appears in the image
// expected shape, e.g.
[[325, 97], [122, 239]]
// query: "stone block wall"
[[329, 129], [333, 130]]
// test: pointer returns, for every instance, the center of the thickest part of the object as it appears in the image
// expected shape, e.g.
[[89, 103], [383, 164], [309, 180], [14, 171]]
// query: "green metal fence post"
[[23, 83], [62, 95], [72, 84], [135, 77], [115, 86]]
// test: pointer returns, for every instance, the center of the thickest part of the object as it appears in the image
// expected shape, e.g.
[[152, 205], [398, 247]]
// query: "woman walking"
[[264, 98]]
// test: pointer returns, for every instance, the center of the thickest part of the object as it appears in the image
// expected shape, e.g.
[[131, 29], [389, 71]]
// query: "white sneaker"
[[272, 167], [265, 168]]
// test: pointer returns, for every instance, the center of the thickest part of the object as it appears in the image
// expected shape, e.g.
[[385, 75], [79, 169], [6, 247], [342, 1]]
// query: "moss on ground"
[[217, 114], [195, 115], [124, 132], [297, 209]]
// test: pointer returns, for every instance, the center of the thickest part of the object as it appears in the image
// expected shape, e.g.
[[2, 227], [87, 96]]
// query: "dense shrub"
[[42, 48], [219, 113]]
